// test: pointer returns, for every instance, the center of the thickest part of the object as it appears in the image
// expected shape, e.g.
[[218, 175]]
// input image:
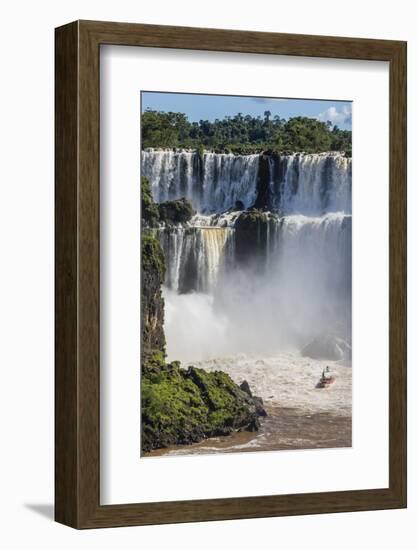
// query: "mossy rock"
[[175, 212], [149, 209], [153, 273], [185, 406]]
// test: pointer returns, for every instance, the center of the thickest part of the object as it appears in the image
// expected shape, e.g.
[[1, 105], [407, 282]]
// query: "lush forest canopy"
[[243, 134]]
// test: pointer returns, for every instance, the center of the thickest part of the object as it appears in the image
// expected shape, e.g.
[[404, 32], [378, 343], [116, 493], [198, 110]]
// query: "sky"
[[209, 107]]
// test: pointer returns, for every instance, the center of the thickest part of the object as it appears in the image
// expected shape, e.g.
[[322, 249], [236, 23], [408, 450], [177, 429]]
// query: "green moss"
[[170, 212], [181, 406], [252, 219], [153, 273], [150, 211], [184, 406], [174, 212], [153, 261], [200, 151]]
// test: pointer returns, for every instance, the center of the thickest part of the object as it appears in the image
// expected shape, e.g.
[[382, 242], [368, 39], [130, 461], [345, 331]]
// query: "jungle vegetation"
[[243, 134]]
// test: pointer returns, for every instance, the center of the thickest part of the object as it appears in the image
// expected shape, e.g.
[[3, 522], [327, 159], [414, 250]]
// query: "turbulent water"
[[194, 256], [300, 416], [311, 184], [296, 287], [212, 183], [304, 184]]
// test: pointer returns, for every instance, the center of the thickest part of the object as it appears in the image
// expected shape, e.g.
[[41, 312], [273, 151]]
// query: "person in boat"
[[326, 373]]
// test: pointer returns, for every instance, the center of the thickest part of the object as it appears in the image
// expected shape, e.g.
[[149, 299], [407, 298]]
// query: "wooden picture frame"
[[77, 405]]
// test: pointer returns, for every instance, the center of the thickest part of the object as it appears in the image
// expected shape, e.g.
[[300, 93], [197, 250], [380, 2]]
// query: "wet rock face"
[[185, 406], [149, 210], [153, 273], [251, 236], [262, 185], [174, 212], [182, 406], [328, 346], [244, 386]]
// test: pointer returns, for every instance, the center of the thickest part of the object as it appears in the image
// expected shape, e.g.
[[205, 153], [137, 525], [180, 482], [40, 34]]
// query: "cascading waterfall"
[[299, 286], [212, 182], [312, 262], [310, 184], [193, 257]]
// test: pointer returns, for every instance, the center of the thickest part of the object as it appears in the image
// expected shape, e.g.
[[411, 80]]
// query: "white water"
[[312, 184], [194, 256], [288, 380], [212, 184], [300, 416], [298, 289], [282, 377], [193, 327], [303, 183], [311, 265], [251, 320]]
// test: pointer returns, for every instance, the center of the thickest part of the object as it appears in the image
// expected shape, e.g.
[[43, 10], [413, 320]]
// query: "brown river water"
[[300, 416]]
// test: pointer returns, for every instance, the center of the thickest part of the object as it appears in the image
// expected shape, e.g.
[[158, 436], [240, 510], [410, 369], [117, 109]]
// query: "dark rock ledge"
[[182, 406]]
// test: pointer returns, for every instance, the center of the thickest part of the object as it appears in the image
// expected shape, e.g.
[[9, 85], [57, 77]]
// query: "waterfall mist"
[[225, 295]]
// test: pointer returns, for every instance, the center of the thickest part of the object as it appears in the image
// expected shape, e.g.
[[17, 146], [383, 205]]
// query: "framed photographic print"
[[230, 274]]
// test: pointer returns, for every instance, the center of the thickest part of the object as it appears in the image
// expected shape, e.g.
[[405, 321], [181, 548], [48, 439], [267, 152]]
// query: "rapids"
[[252, 320]]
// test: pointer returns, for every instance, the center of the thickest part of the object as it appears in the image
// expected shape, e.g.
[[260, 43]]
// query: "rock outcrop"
[[180, 406], [328, 346], [153, 273], [250, 236], [149, 209], [183, 406], [174, 212], [262, 185], [170, 212]]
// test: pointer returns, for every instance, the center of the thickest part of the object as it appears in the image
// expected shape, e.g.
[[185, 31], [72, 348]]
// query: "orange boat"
[[325, 382]]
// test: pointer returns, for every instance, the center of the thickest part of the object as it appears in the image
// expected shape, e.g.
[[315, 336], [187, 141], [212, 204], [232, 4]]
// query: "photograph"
[[246, 287]]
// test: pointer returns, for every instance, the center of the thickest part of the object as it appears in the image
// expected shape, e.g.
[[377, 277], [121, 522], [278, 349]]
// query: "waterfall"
[[194, 257], [312, 261], [212, 183], [310, 184], [298, 282]]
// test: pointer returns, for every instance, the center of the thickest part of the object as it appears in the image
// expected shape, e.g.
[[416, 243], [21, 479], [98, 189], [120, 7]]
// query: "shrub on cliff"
[[150, 211], [170, 212], [153, 273]]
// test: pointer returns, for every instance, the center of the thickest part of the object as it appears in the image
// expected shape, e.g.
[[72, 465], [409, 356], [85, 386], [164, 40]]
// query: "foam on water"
[[296, 287], [289, 380]]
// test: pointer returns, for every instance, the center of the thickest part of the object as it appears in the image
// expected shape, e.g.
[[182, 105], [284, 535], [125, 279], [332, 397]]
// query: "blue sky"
[[210, 107]]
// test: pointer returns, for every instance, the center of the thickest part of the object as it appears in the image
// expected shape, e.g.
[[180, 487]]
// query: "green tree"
[[243, 134]]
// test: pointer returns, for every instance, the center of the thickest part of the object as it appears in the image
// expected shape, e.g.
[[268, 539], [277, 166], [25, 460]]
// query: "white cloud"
[[339, 117]]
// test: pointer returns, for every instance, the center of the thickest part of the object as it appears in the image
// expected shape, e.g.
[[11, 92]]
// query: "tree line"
[[243, 133]]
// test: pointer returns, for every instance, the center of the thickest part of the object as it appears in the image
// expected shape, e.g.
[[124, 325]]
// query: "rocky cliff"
[[181, 406], [153, 273]]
